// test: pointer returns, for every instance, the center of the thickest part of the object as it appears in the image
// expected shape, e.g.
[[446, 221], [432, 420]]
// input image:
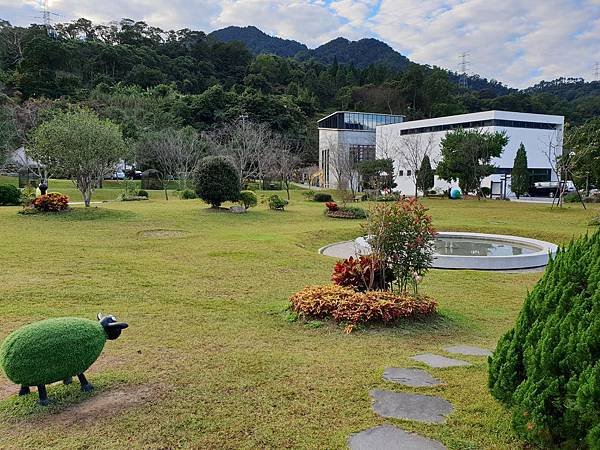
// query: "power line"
[[463, 67], [597, 71], [47, 19]]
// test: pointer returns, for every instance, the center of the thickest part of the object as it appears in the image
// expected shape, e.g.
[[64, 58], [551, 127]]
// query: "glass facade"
[[358, 121], [483, 123], [359, 153]]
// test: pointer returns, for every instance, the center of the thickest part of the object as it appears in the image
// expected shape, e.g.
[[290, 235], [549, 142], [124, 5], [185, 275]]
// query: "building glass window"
[[358, 121]]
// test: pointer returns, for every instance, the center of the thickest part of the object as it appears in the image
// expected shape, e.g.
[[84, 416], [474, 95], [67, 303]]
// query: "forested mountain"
[[259, 42], [145, 79]]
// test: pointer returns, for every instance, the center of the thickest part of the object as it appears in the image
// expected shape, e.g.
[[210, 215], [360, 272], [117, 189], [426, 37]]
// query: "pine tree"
[[520, 173], [547, 369], [425, 177]]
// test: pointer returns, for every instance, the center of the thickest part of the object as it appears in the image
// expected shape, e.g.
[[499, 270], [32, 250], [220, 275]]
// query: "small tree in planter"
[[400, 234], [217, 181]]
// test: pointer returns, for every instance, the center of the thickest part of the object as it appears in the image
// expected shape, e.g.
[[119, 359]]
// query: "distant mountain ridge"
[[258, 41], [362, 53]]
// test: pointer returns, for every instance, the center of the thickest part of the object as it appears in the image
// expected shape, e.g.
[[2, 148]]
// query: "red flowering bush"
[[401, 234], [332, 206], [51, 202], [362, 273], [343, 304]]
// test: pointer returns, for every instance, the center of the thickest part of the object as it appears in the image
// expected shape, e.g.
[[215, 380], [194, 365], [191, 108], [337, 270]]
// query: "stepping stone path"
[[387, 437], [410, 377], [438, 361], [401, 405], [468, 350]]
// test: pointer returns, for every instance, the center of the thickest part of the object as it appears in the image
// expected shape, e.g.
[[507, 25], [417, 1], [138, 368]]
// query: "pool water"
[[455, 246]]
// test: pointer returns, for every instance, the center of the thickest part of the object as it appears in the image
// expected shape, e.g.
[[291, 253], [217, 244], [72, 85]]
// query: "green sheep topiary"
[[547, 369], [55, 350]]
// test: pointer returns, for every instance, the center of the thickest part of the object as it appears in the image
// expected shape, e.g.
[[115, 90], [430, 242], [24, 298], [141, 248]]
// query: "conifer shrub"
[[547, 368]]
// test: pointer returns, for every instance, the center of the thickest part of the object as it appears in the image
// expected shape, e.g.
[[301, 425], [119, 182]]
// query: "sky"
[[517, 42]]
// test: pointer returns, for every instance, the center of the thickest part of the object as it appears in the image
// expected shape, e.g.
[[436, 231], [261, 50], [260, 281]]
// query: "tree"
[[286, 161], [80, 145], [217, 181], [244, 143], [174, 153], [412, 149], [377, 174], [467, 155], [425, 176], [8, 133], [519, 180]]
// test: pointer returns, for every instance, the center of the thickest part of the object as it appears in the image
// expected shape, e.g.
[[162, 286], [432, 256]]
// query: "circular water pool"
[[476, 251]]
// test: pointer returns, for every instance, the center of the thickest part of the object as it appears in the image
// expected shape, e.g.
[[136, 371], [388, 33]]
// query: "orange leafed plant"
[[343, 304]]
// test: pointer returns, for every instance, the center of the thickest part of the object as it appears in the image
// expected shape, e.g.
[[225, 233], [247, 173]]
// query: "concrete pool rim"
[[536, 259]]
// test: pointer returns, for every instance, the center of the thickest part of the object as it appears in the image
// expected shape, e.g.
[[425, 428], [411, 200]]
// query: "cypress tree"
[[547, 368], [425, 177], [520, 173]]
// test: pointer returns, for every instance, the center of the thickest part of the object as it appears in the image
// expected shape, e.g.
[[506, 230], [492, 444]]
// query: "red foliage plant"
[[51, 202], [344, 304], [332, 206], [362, 273]]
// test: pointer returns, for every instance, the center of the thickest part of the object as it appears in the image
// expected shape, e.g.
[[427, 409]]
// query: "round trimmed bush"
[[142, 193], [187, 194], [547, 368], [51, 350], [9, 195], [248, 199], [322, 197], [217, 181]]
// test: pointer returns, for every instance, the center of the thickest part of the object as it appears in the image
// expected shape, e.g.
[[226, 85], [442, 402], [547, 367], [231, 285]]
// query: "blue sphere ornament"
[[455, 193]]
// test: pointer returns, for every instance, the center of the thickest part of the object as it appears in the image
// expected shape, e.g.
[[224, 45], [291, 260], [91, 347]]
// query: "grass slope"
[[209, 334]]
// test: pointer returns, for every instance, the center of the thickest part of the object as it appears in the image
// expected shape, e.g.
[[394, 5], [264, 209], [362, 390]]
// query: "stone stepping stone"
[[438, 361], [401, 405], [387, 437], [410, 377], [468, 350]]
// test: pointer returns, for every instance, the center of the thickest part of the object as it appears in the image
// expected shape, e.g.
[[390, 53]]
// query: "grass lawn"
[[210, 361]]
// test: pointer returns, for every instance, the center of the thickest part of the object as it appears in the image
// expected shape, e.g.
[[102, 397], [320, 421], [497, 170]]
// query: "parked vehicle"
[[550, 188], [118, 175]]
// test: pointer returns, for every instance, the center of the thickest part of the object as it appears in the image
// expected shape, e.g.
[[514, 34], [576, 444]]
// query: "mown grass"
[[208, 325]]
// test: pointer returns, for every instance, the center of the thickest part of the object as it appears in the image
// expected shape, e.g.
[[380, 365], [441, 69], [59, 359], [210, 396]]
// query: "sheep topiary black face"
[[56, 350]]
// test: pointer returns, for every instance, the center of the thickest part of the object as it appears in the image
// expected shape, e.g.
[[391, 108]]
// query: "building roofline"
[[359, 112], [533, 117]]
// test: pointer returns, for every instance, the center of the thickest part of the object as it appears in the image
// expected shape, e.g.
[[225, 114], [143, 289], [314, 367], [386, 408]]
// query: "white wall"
[[390, 143], [340, 141]]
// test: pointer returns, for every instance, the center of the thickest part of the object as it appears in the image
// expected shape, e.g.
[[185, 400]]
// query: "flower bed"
[[344, 212], [344, 304]]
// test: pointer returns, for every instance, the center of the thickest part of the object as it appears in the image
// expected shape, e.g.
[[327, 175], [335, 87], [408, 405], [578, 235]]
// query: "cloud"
[[518, 42]]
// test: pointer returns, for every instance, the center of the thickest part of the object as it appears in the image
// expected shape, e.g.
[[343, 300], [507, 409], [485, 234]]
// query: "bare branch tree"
[[286, 160], [412, 149], [244, 142], [174, 153]]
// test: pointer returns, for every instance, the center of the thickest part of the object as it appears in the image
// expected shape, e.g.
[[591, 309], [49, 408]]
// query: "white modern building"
[[345, 139], [406, 142]]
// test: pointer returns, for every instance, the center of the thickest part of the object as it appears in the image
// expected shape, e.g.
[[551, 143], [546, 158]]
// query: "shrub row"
[[343, 304]]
